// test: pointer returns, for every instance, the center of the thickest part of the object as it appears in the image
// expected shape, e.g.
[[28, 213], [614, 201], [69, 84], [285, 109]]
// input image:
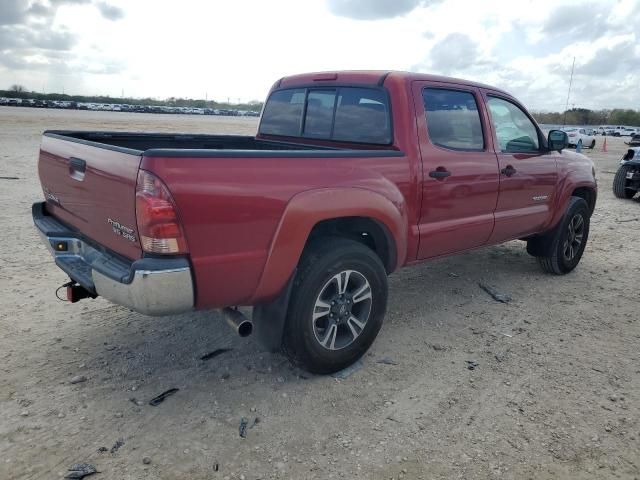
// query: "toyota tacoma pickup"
[[351, 176]]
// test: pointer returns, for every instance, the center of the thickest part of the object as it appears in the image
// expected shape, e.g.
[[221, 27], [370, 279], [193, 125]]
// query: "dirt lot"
[[556, 393]]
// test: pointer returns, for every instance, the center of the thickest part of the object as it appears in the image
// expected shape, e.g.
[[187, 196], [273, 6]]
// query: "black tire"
[[593, 144], [620, 182], [321, 262], [579, 145], [556, 258]]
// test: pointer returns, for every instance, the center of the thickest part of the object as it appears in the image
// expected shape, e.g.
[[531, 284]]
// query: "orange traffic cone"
[[604, 145]]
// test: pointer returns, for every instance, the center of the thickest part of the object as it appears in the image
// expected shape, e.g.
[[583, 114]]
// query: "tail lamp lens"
[[158, 225]]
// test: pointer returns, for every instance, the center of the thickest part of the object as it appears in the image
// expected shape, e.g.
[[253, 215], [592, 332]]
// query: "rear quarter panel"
[[231, 209]]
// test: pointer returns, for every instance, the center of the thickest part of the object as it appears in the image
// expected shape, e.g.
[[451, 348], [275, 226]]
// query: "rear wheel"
[[338, 302], [620, 183], [565, 245], [579, 145]]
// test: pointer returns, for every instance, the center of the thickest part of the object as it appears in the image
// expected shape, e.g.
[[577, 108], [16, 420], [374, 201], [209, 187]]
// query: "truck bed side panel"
[[231, 208]]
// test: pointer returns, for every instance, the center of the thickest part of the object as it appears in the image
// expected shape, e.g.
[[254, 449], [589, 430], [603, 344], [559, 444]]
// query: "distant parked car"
[[634, 141], [579, 136]]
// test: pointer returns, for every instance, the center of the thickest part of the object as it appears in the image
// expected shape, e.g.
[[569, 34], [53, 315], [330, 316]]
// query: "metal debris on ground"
[[81, 470], [495, 294], [160, 398], [117, 445], [135, 401], [78, 379], [350, 370], [215, 353], [471, 365], [243, 427], [9, 178], [387, 361], [103, 449]]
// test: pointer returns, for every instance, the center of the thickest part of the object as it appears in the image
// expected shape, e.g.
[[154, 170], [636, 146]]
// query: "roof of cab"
[[369, 77]]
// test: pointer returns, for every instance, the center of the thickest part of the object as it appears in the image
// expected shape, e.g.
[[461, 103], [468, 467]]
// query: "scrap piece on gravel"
[[215, 353], [135, 401], [81, 470], [495, 294], [471, 365], [78, 379], [117, 445], [160, 398], [243, 427], [350, 370], [387, 361]]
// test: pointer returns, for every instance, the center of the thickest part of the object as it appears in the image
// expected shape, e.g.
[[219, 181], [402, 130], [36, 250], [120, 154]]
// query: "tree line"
[[18, 91], [584, 116]]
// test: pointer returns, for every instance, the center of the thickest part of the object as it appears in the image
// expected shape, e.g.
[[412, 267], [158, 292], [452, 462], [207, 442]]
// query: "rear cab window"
[[345, 114]]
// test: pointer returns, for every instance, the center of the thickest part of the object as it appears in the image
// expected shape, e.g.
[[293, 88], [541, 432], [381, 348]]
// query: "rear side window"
[[453, 119], [346, 114], [284, 111]]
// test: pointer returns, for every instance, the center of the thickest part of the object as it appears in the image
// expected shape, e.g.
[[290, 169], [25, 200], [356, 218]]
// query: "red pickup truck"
[[351, 176]]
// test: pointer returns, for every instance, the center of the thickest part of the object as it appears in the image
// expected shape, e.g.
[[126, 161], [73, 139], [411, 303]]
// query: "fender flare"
[[308, 208], [564, 196]]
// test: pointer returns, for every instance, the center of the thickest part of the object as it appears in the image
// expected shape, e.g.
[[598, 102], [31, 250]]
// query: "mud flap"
[[269, 319]]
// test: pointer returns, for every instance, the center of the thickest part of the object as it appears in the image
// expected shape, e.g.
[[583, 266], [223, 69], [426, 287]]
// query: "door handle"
[[439, 173], [77, 168], [508, 171]]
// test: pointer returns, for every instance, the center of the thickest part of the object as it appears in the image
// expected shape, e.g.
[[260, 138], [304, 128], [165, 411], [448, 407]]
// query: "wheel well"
[[588, 195], [365, 230]]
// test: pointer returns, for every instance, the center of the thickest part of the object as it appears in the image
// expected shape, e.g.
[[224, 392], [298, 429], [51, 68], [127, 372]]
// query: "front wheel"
[[568, 240], [593, 144], [338, 302], [620, 182]]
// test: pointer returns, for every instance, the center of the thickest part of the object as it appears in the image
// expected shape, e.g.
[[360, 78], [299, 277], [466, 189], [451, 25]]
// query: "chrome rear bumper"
[[153, 286]]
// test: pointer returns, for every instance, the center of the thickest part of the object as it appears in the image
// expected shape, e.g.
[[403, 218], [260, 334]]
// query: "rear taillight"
[[158, 225]]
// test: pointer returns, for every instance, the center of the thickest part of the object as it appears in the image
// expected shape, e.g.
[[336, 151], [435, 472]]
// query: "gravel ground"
[[555, 393]]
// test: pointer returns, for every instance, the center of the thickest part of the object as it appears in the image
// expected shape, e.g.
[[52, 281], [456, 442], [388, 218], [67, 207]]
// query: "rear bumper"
[[153, 286]]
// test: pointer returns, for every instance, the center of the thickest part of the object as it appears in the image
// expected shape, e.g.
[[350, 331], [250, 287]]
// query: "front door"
[[527, 171], [460, 170]]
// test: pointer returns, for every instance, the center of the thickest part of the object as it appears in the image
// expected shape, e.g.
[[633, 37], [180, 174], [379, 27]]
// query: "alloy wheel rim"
[[575, 236], [342, 310]]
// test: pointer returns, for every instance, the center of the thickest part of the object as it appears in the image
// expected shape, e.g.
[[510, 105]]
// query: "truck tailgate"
[[92, 189]]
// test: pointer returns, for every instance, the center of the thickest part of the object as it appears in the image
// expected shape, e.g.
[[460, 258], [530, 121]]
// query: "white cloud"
[[238, 49]]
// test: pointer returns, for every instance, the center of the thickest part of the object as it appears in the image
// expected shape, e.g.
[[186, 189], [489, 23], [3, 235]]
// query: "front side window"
[[453, 120], [346, 114], [515, 131]]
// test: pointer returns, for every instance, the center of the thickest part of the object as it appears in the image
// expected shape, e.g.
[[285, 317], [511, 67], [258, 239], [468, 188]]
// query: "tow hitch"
[[75, 292]]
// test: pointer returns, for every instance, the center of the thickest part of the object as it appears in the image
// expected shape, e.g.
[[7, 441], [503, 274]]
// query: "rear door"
[[460, 171], [92, 189], [528, 173]]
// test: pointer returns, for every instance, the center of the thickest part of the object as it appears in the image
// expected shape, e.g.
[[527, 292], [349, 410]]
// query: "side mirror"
[[557, 140]]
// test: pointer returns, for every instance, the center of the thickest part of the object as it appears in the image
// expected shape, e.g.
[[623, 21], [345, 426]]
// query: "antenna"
[[564, 120]]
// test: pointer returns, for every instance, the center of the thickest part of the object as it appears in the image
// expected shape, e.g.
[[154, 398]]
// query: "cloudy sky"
[[237, 49]]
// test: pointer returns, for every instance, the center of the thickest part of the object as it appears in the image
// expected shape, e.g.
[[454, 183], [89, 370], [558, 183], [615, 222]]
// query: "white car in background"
[[578, 136]]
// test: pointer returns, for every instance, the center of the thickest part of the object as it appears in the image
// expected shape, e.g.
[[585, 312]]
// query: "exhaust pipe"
[[238, 321]]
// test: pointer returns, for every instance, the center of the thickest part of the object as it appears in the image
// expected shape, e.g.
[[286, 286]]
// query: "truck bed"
[[137, 143]]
